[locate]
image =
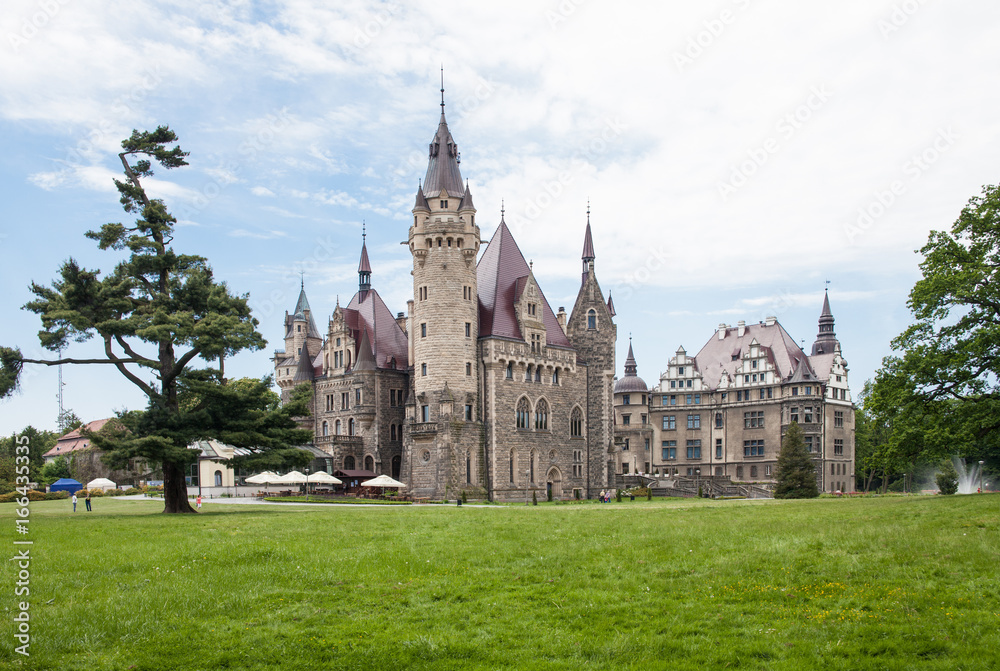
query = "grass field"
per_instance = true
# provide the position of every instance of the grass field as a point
(885, 583)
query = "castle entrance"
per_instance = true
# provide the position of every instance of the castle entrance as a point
(554, 483)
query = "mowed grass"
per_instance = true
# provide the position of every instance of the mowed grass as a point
(889, 583)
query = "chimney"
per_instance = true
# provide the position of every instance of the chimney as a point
(722, 331)
(401, 321)
(561, 318)
(741, 328)
(770, 320)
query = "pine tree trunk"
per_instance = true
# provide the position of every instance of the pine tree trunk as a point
(175, 499)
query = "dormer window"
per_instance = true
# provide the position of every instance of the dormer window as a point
(531, 309)
(444, 204)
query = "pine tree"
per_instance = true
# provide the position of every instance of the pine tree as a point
(157, 314)
(795, 473)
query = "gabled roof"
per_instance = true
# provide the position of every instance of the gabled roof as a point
(442, 164)
(368, 313)
(498, 273)
(74, 440)
(726, 354)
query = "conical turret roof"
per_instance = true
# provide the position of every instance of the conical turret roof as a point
(304, 372)
(366, 359)
(442, 164)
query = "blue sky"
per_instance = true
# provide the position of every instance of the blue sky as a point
(736, 154)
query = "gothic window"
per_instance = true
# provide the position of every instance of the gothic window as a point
(531, 475)
(510, 370)
(348, 463)
(392, 432)
(336, 428)
(576, 423)
(369, 464)
(326, 429)
(542, 416)
(523, 413)
(555, 376)
(350, 427)
(527, 373)
(512, 466)
(538, 373)
(592, 319)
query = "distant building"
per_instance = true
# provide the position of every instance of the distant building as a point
(724, 411)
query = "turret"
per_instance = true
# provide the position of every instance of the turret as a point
(826, 338)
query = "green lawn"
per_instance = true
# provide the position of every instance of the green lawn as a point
(887, 583)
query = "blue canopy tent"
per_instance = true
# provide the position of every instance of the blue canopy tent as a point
(65, 485)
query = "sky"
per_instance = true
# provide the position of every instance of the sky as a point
(738, 156)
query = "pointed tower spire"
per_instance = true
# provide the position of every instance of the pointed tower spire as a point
(630, 381)
(442, 165)
(630, 367)
(588, 247)
(826, 338)
(364, 268)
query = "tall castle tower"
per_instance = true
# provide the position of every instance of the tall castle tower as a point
(444, 241)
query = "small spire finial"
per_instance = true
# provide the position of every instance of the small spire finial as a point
(501, 209)
(363, 233)
(442, 89)
(827, 286)
(588, 211)
(302, 279)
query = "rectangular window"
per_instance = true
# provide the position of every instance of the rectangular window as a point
(468, 413)
(807, 412)
(687, 400)
(767, 471)
(793, 414)
(739, 472)
(718, 420)
(673, 384)
(809, 391)
(468, 330)
(838, 419)
(643, 416)
(753, 471)
(468, 368)
(689, 384)
(718, 448)
(626, 420)
(694, 449)
(669, 422)
(795, 391)
(646, 448)
(423, 369)
(694, 421)
(753, 419)
(626, 399)
(673, 399)
(753, 448)
(697, 399)
(345, 400)
(762, 394)
(425, 413)
(769, 392)
(838, 446)
(669, 450)
(809, 443)
(357, 397)
(423, 330)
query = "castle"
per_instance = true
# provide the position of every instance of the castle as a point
(723, 412)
(481, 387)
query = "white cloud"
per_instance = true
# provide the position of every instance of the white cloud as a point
(262, 191)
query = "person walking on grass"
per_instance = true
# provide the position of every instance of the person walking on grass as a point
(74, 502)
(198, 501)
(87, 501)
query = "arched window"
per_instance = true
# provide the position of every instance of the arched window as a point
(538, 373)
(576, 423)
(350, 427)
(392, 432)
(348, 463)
(523, 413)
(326, 429)
(512, 467)
(218, 478)
(531, 464)
(396, 462)
(527, 373)
(555, 376)
(592, 319)
(336, 428)
(510, 370)
(468, 468)
(369, 463)
(542, 415)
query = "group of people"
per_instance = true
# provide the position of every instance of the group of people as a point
(87, 501)
(606, 496)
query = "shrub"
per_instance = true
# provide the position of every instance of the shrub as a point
(34, 495)
(464, 499)
(96, 492)
(947, 478)
(9, 497)
(618, 495)
(131, 491)
(534, 498)
(55, 496)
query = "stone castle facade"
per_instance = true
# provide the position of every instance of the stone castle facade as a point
(724, 411)
(480, 387)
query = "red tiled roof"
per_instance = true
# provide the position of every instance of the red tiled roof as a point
(499, 274)
(74, 441)
(368, 312)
